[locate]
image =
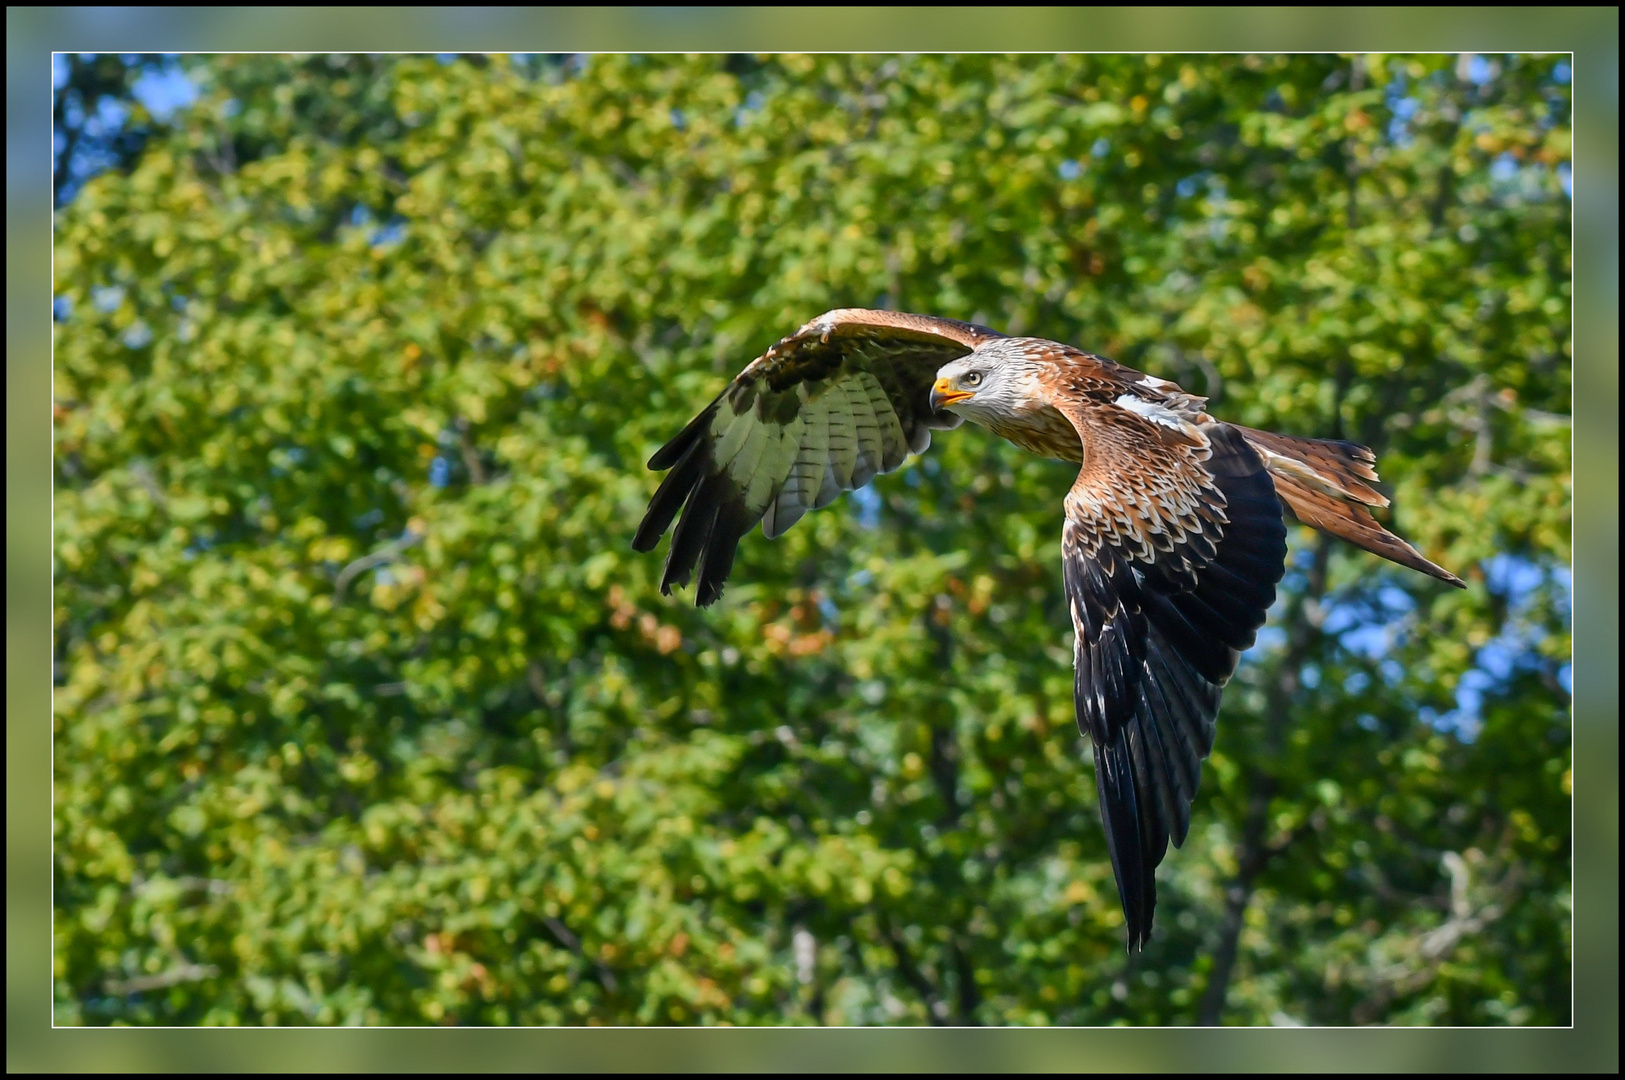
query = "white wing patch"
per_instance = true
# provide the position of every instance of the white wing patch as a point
(1157, 414)
(1164, 417)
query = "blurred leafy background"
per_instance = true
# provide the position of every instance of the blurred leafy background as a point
(366, 713)
(1595, 684)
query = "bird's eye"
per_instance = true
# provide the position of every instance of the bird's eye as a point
(973, 378)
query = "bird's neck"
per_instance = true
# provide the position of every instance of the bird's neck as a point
(1039, 429)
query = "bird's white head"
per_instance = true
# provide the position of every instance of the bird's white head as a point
(996, 382)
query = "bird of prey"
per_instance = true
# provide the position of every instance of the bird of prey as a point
(1171, 550)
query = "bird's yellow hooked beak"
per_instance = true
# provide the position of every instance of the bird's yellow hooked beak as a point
(944, 394)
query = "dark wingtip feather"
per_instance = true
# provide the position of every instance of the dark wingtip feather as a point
(1444, 575)
(684, 440)
(693, 531)
(732, 523)
(1120, 813)
(677, 488)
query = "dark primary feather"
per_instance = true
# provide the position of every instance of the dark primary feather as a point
(1157, 638)
(845, 397)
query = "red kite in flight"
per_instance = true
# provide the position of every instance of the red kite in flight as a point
(1173, 544)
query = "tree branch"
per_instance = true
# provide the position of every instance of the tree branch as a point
(471, 455)
(573, 943)
(935, 1009)
(387, 554)
(183, 973)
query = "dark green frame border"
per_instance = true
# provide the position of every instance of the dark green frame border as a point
(1592, 34)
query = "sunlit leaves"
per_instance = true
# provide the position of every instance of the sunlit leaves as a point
(368, 713)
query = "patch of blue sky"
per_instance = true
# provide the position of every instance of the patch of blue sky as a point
(868, 501)
(753, 104)
(1296, 577)
(107, 298)
(163, 90)
(1562, 73)
(1399, 127)
(382, 235)
(1371, 626)
(1565, 178)
(1480, 69)
(1525, 585)
(1269, 639)
(1514, 577)
(1369, 640)
(1101, 148)
(1070, 169)
(59, 71)
(92, 154)
(105, 119)
(1466, 720)
(110, 117)
(389, 235)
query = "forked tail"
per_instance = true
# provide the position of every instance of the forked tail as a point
(1324, 483)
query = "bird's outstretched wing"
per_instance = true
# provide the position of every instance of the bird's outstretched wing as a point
(843, 398)
(1171, 551)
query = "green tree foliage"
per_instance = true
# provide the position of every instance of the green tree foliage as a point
(367, 712)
